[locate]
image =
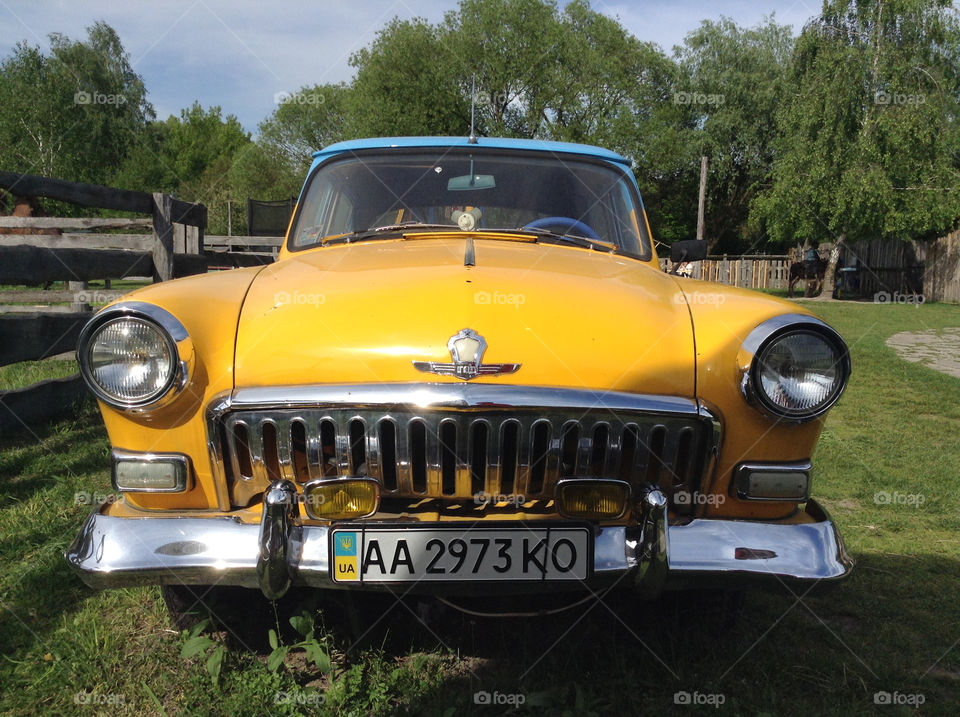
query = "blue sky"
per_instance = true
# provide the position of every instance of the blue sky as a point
(241, 54)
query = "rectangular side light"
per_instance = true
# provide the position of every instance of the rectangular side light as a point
(773, 481)
(149, 472)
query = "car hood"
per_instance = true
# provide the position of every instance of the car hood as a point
(366, 312)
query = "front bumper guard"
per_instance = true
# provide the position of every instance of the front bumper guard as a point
(653, 556)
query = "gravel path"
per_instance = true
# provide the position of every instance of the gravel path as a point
(938, 349)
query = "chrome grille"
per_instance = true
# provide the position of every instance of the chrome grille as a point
(456, 453)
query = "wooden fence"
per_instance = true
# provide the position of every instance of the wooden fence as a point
(882, 265)
(174, 247)
(941, 268)
(752, 272)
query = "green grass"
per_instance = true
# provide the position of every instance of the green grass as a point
(25, 373)
(894, 626)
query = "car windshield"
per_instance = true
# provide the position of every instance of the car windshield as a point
(466, 189)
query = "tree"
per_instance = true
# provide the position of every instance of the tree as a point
(868, 136)
(407, 84)
(259, 173)
(307, 121)
(734, 83)
(73, 114)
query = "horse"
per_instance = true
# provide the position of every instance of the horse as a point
(813, 275)
(28, 207)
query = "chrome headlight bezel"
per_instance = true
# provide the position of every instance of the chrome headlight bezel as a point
(763, 337)
(170, 329)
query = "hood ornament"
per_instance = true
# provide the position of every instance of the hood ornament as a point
(466, 349)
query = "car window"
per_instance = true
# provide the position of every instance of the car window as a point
(498, 190)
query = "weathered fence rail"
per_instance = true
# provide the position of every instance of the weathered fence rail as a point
(36, 250)
(228, 252)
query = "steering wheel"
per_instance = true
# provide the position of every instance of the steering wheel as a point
(563, 225)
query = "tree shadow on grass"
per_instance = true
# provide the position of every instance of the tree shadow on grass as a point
(71, 448)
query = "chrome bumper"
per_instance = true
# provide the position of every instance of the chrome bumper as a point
(115, 552)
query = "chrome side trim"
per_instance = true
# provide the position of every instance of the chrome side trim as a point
(181, 347)
(462, 396)
(179, 459)
(215, 410)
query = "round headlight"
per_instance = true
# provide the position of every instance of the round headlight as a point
(800, 373)
(135, 355)
(131, 360)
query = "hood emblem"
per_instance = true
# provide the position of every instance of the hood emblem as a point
(466, 349)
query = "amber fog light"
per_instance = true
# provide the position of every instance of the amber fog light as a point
(341, 499)
(149, 472)
(593, 499)
(773, 481)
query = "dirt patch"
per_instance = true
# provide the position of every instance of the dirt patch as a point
(938, 349)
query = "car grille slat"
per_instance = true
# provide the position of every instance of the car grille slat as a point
(451, 454)
(284, 453)
(434, 481)
(493, 459)
(521, 484)
(341, 426)
(462, 472)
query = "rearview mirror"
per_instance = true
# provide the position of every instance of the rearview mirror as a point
(471, 181)
(688, 250)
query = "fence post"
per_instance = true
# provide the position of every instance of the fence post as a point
(79, 287)
(162, 237)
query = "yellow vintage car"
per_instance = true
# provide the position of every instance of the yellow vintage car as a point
(465, 374)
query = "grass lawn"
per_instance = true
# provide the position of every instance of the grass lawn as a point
(25, 373)
(887, 467)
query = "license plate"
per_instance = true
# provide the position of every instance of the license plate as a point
(450, 554)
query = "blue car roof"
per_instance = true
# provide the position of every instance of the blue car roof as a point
(494, 142)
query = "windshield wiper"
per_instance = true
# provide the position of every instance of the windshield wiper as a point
(572, 239)
(384, 232)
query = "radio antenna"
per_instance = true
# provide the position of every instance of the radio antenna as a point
(472, 139)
